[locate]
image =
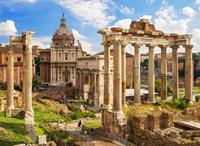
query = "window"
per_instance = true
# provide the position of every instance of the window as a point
(66, 56)
(72, 56)
(18, 59)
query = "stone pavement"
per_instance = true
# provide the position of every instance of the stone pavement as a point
(82, 138)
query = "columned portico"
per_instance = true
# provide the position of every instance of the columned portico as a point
(175, 71)
(151, 74)
(140, 33)
(137, 98)
(188, 72)
(163, 72)
(10, 82)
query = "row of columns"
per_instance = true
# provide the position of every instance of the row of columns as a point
(92, 82)
(119, 64)
(27, 80)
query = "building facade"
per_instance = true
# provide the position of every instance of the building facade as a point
(58, 63)
(90, 78)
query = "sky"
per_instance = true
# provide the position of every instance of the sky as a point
(86, 17)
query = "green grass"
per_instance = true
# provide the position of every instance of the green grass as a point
(95, 124)
(195, 89)
(12, 131)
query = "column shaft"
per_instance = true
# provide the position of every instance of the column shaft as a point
(137, 98)
(24, 78)
(163, 72)
(107, 81)
(95, 89)
(175, 72)
(117, 104)
(188, 72)
(123, 75)
(151, 75)
(10, 81)
(28, 79)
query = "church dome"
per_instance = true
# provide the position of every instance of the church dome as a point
(63, 36)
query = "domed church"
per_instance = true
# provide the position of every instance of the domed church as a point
(58, 63)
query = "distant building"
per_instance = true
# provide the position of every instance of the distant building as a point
(90, 78)
(58, 63)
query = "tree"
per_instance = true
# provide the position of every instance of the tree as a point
(37, 65)
(36, 84)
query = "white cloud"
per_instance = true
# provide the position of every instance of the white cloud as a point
(90, 12)
(123, 23)
(198, 2)
(86, 46)
(7, 28)
(196, 39)
(149, 17)
(189, 12)
(42, 41)
(7, 2)
(125, 10)
(166, 20)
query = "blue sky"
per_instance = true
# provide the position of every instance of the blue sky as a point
(86, 17)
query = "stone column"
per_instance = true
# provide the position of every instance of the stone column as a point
(29, 115)
(137, 98)
(107, 81)
(24, 78)
(188, 72)
(95, 89)
(117, 87)
(4, 73)
(163, 72)
(10, 82)
(123, 75)
(28, 79)
(151, 74)
(175, 71)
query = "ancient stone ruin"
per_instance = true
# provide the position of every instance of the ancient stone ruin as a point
(21, 43)
(140, 33)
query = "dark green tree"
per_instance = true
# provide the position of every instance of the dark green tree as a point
(36, 84)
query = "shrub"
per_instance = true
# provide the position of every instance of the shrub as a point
(169, 91)
(180, 103)
(197, 98)
(157, 103)
(157, 86)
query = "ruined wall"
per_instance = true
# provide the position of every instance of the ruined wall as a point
(114, 122)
